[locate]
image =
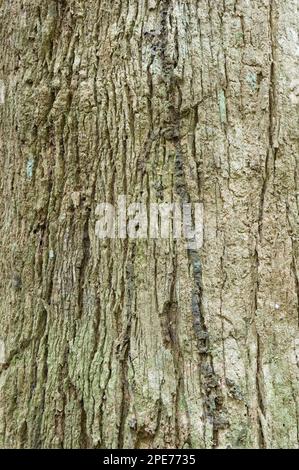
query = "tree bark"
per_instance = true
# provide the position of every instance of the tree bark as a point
(145, 344)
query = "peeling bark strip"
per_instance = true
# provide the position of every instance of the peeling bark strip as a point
(144, 344)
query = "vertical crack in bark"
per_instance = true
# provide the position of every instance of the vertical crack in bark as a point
(270, 158)
(296, 278)
(261, 408)
(84, 439)
(84, 265)
(124, 345)
(213, 399)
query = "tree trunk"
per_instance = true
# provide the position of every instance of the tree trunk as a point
(122, 343)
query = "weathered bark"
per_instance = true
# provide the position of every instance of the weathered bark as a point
(172, 100)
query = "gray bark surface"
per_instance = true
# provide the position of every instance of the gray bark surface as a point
(123, 344)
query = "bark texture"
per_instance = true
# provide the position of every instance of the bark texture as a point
(115, 343)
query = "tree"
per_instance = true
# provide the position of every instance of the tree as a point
(122, 343)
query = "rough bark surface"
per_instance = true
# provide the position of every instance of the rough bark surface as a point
(145, 344)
